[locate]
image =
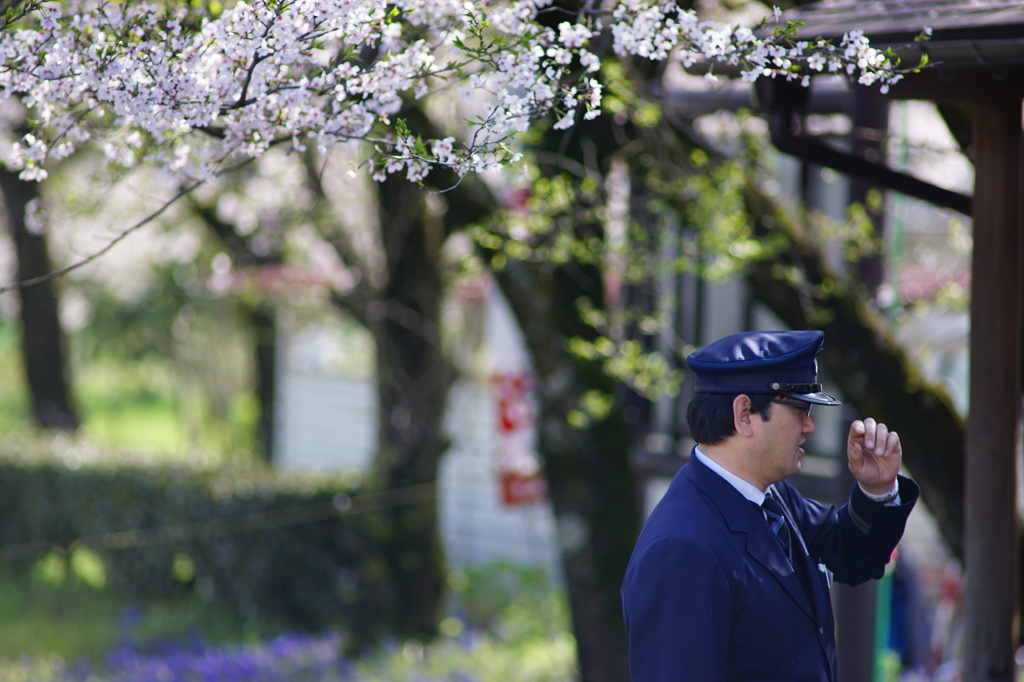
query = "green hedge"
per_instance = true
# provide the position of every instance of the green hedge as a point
(298, 550)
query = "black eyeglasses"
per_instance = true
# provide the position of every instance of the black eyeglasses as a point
(801, 405)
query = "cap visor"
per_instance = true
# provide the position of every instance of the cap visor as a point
(818, 398)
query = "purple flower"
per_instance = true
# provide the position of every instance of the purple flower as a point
(289, 657)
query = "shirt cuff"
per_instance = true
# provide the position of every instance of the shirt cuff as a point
(889, 499)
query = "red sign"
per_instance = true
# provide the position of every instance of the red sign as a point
(518, 472)
(518, 488)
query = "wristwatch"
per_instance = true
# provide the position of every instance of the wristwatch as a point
(887, 497)
(890, 496)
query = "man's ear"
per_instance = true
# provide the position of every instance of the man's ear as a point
(742, 416)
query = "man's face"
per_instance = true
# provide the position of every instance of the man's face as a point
(779, 440)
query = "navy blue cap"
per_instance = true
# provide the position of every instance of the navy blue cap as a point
(762, 362)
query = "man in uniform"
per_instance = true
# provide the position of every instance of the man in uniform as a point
(730, 576)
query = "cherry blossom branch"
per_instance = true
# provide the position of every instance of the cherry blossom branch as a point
(120, 237)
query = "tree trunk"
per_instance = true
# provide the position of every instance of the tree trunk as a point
(414, 377)
(263, 318)
(588, 468)
(43, 341)
(588, 471)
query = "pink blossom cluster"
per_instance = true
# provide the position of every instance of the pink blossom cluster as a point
(196, 92)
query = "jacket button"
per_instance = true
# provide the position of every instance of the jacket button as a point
(821, 630)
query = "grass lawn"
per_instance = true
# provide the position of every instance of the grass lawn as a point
(506, 625)
(48, 613)
(145, 407)
(39, 620)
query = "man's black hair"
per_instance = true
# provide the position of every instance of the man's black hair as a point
(709, 415)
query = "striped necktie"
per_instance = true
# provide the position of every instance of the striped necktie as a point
(777, 520)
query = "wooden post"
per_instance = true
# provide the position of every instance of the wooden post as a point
(991, 533)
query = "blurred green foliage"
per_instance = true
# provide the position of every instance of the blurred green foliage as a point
(301, 551)
(172, 366)
(168, 370)
(506, 623)
(14, 401)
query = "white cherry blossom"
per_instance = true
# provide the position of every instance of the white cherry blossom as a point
(196, 92)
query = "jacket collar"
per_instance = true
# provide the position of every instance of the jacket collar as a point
(743, 516)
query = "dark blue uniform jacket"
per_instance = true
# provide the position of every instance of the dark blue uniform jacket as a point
(709, 594)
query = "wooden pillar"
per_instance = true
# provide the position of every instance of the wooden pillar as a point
(990, 543)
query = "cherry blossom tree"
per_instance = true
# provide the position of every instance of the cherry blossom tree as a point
(196, 91)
